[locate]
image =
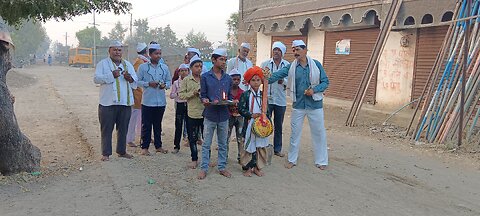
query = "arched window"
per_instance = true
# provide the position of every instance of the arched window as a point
(447, 16)
(427, 19)
(409, 21)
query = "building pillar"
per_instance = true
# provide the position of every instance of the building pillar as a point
(395, 69)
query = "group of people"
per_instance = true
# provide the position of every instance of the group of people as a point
(220, 100)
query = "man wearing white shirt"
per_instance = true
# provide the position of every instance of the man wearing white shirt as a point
(117, 78)
(277, 98)
(240, 63)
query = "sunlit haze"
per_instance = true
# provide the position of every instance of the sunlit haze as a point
(208, 16)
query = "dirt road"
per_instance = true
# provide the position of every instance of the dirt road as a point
(57, 108)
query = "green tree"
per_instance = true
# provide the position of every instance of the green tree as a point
(232, 34)
(232, 24)
(17, 153)
(14, 12)
(85, 37)
(142, 31)
(30, 40)
(166, 37)
(199, 40)
(118, 32)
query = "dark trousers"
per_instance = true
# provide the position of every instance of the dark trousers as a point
(152, 116)
(252, 163)
(114, 116)
(237, 122)
(278, 116)
(180, 115)
(194, 127)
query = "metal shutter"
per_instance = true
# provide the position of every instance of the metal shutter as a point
(345, 72)
(429, 42)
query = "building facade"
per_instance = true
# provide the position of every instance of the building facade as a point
(342, 35)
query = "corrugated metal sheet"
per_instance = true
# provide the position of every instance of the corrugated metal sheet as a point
(345, 72)
(429, 42)
(287, 40)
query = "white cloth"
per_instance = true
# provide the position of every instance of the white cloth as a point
(314, 79)
(241, 67)
(245, 45)
(141, 46)
(252, 142)
(145, 59)
(276, 92)
(154, 46)
(195, 58)
(195, 50)
(115, 43)
(108, 88)
(183, 66)
(281, 46)
(296, 43)
(220, 52)
(135, 125)
(317, 131)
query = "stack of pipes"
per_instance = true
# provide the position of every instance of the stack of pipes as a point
(445, 110)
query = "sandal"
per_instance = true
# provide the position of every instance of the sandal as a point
(321, 167)
(175, 151)
(105, 158)
(289, 165)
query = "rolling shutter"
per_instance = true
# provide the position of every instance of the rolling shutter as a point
(345, 72)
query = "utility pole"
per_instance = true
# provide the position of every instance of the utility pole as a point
(66, 40)
(94, 40)
(67, 53)
(131, 24)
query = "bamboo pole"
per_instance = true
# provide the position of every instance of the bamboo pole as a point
(364, 82)
(377, 52)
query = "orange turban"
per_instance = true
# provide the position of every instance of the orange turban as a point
(250, 73)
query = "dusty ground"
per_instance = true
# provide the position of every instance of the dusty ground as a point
(373, 171)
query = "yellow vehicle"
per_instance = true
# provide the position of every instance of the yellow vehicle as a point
(80, 57)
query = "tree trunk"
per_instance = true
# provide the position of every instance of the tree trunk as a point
(17, 154)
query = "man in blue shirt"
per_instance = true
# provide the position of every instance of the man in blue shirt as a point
(277, 98)
(215, 87)
(307, 81)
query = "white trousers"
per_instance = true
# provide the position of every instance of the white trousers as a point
(318, 133)
(135, 125)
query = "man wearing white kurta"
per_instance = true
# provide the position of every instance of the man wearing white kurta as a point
(240, 63)
(117, 78)
(277, 98)
(307, 81)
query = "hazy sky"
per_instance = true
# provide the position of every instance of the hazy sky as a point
(208, 16)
